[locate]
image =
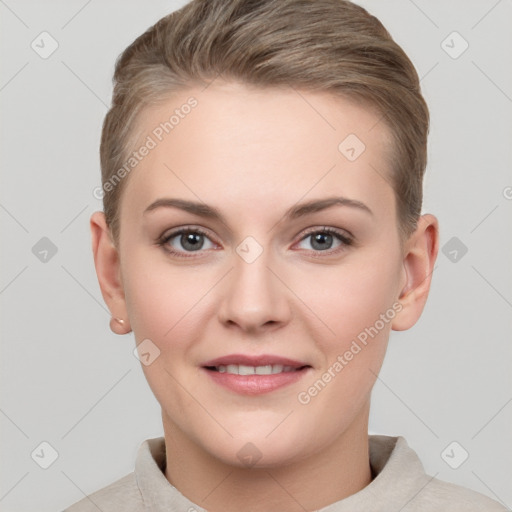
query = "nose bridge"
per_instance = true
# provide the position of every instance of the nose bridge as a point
(253, 296)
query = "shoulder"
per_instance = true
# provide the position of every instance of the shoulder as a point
(401, 479)
(449, 497)
(123, 494)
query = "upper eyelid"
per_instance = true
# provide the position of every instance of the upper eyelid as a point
(331, 229)
(179, 229)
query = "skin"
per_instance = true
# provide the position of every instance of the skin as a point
(253, 154)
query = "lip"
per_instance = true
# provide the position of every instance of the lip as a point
(255, 384)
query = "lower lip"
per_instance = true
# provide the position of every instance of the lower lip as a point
(256, 384)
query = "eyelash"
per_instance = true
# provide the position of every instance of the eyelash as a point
(346, 240)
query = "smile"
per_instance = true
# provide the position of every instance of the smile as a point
(254, 375)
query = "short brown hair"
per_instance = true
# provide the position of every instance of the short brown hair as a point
(318, 45)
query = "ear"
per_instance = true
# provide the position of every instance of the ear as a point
(108, 270)
(420, 253)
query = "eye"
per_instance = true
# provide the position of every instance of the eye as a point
(324, 239)
(185, 240)
(190, 240)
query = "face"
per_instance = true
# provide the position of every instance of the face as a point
(252, 242)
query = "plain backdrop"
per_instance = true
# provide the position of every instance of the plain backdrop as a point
(66, 380)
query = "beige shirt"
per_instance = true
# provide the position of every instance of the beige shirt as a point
(400, 484)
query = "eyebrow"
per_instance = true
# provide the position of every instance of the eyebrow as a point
(299, 210)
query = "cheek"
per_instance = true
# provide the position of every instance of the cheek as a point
(159, 296)
(352, 297)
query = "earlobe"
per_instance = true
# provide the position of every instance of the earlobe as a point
(419, 259)
(108, 271)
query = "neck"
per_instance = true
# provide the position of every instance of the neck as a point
(338, 471)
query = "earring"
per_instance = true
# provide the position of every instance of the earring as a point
(119, 326)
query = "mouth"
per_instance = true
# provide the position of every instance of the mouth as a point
(253, 375)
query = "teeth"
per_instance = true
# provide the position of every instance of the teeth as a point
(242, 369)
(263, 370)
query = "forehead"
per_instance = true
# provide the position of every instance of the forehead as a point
(230, 143)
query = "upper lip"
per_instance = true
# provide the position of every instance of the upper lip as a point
(261, 360)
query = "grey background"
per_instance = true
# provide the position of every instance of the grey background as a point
(67, 380)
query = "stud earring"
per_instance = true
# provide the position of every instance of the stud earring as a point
(119, 326)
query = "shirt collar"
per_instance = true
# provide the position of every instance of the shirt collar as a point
(399, 477)
(157, 493)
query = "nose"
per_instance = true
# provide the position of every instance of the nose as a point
(254, 297)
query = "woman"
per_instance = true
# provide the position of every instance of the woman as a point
(262, 169)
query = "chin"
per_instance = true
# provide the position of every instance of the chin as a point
(259, 450)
